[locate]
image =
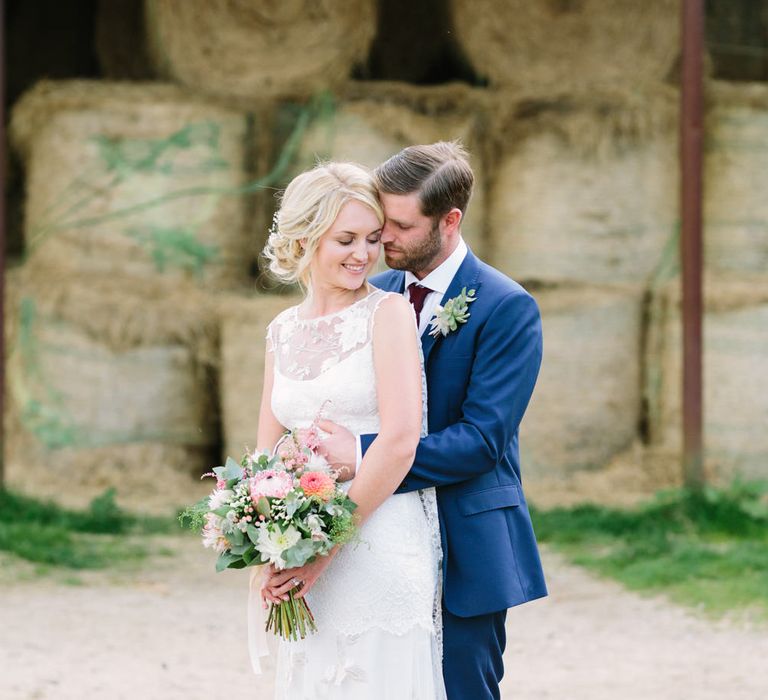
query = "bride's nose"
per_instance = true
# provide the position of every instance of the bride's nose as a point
(360, 251)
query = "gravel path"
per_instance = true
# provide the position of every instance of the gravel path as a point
(178, 631)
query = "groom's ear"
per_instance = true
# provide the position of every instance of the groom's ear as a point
(451, 221)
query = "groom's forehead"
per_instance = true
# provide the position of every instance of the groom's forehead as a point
(401, 207)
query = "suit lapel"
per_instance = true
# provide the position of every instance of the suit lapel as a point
(467, 276)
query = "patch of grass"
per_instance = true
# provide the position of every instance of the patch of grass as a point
(708, 549)
(100, 536)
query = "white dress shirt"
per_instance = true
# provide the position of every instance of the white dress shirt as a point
(438, 281)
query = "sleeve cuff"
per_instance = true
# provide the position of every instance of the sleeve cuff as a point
(358, 453)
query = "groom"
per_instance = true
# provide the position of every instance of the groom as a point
(480, 377)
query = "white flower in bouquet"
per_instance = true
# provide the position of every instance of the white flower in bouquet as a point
(220, 497)
(213, 533)
(272, 543)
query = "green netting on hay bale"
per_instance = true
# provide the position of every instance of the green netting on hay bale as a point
(135, 181)
(244, 323)
(586, 407)
(373, 122)
(736, 194)
(94, 364)
(585, 188)
(254, 48)
(559, 44)
(735, 375)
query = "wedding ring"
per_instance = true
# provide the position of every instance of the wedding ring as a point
(296, 583)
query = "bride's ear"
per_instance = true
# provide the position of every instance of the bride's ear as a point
(303, 243)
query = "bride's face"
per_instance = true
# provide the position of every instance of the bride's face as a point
(347, 252)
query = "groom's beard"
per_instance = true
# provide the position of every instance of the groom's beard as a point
(419, 256)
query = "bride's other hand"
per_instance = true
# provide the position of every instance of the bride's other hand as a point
(339, 448)
(279, 583)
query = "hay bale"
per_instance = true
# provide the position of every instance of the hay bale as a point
(537, 46)
(586, 406)
(133, 181)
(244, 323)
(376, 121)
(100, 376)
(735, 375)
(248, 47)
(585, 190)
(736, 197)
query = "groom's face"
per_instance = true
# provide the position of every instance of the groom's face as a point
(411, 240)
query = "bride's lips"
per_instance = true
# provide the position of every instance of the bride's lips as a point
(354, 269)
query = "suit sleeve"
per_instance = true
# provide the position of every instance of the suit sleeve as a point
(503, 375)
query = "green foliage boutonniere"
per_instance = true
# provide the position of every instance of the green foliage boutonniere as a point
(455, 311)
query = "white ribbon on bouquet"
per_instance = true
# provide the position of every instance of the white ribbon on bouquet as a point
(257, 633)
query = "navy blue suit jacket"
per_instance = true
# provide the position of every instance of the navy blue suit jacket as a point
(480, 379)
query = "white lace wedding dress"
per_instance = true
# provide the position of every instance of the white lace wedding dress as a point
(377, 604)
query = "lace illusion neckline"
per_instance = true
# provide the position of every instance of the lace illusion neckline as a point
(314, 319)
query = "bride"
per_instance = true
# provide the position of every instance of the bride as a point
(351, 352)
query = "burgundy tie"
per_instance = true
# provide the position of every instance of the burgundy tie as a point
(417, 294)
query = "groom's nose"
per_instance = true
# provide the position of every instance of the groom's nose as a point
(386, 233)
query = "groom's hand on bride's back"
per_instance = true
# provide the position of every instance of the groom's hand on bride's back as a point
(339, 447)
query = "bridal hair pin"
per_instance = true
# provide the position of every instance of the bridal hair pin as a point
(274, 229)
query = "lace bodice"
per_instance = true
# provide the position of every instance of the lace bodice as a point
(326, 364)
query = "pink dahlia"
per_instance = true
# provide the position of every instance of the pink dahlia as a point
(318, 484)
(270, 483)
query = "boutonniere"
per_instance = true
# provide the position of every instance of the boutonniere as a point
(455, 311)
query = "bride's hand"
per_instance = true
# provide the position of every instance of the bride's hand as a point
(279, 583)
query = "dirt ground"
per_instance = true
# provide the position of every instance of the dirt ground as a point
(176, 629)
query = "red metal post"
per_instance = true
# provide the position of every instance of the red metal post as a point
(3, 147)
(691, 257)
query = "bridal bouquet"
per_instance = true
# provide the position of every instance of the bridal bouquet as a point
(283, 508)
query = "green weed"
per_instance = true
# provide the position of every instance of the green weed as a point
(707, 548)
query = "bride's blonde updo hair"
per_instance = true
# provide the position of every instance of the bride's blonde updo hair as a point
(308, 208)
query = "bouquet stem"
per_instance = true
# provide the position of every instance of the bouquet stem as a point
(291, 619)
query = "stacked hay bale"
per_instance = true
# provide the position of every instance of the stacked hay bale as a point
(736, 298)
(134, 215)
(582, 208)
(245, 49)
(134, 180)
(586, 406)
(585, 188)
(372, 122)
(108, 386)
(735, 375)
(244, 320)
(556, 45)
(736, 159)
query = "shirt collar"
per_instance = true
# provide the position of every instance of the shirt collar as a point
(441, 277)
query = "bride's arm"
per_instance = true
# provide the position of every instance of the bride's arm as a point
(398, 391)
(270, 429)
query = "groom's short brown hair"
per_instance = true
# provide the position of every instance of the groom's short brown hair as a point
(439, 172)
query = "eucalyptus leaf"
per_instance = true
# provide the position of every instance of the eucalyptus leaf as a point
(263, 507)
(240, 549)
(225, 560)
(299, 554)
(253, 534)
(232, 470)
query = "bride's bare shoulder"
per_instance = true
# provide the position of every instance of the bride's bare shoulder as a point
(392, 311)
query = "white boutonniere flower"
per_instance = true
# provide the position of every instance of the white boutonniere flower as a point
(455, 311)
